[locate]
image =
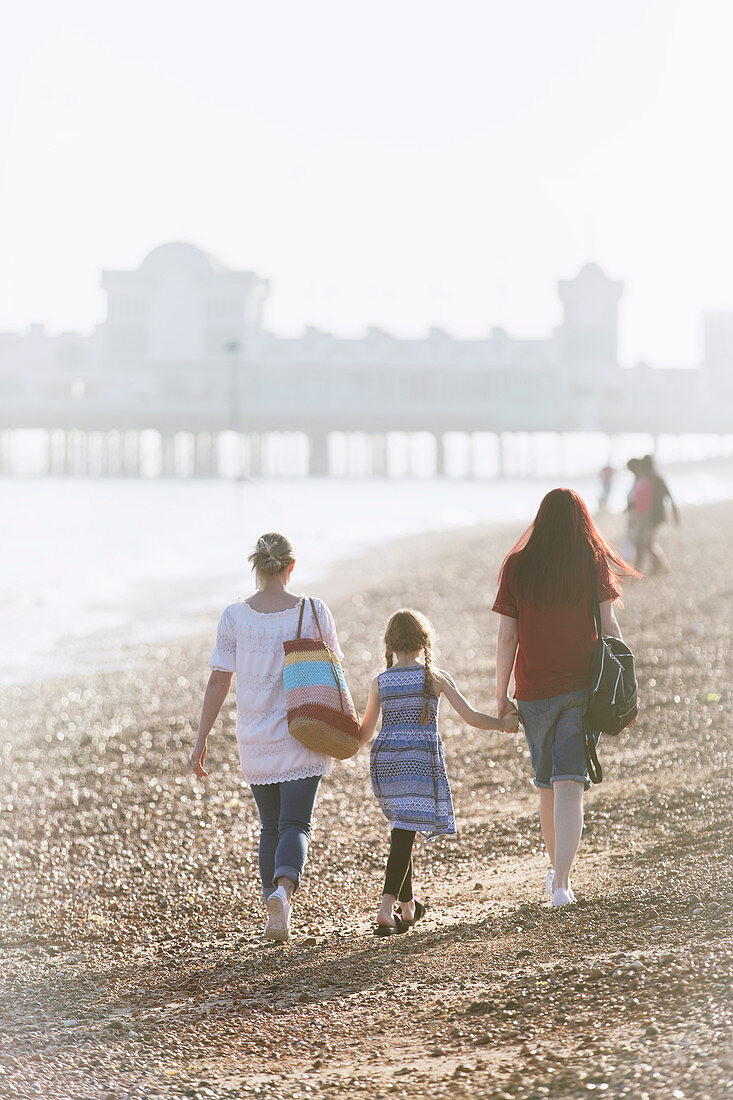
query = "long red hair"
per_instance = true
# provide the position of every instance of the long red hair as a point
(557, 560)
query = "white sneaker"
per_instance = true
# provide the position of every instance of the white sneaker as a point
(278, 917)
(550, 883)
(562, 897)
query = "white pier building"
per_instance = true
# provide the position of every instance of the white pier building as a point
(184, 349)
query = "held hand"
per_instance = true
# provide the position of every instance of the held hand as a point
(510, 723)
(505, 706)
(197, 759)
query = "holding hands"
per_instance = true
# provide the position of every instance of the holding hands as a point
(507, 720)
(508, 714)
(510, 722)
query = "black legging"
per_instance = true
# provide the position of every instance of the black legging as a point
(398, 879)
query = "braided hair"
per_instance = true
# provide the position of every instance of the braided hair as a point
(407, 632)
(428, 683)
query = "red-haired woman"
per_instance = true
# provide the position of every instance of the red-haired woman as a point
(547, 635)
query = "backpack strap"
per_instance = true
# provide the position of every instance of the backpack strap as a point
(592, 763)
(597, 611)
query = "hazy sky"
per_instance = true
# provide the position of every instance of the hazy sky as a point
(404, 164)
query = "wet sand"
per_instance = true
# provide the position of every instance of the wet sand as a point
(132, 957)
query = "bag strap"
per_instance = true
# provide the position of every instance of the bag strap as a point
(597, 611)
(300, 617)
(592, 763)
(315, 616)
(328, 651)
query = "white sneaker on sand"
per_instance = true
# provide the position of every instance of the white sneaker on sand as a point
(278, 917)
(550, 883)
(562, 897)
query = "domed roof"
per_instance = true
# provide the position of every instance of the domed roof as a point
(178, 254)
(592, 271)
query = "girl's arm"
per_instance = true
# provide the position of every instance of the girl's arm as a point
(506, 652)
(371, 714)
(216, 692)
(444, 683)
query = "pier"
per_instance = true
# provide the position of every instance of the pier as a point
(183, 380)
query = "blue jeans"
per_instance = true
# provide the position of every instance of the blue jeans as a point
(554, 731)
(285, 810)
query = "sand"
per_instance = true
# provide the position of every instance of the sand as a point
(133, 962)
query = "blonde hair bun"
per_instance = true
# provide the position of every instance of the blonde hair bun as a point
(272, 554)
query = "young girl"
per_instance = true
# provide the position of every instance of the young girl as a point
(407, 764)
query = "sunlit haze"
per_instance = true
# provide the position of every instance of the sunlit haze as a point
(397, 164)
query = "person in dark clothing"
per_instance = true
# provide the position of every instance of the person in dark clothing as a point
(638, 508)
(649, 546)
(606, 475)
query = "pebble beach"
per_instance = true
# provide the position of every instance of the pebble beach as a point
(133, 961)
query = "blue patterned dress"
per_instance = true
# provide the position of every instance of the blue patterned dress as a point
(407, 764)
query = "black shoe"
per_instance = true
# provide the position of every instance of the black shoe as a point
(420, 912)
(400, 926)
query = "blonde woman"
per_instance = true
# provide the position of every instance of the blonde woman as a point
(284, 775)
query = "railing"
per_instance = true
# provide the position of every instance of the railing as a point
(321, 399)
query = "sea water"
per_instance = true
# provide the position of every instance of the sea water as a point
(91, 567)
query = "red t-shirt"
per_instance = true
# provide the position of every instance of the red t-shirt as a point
(555, 643)
(642, 496)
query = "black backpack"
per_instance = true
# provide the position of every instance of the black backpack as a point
(612, 694)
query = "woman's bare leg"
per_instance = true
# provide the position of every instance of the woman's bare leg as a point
(547, 820)
(568, 820)
(659, 562)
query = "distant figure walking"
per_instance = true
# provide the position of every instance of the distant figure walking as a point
(654, 517)
(283, 774)
(638, 510)
(547, 635)
(407, 763)
(606, 476)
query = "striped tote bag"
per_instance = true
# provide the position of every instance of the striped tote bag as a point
(321, 712)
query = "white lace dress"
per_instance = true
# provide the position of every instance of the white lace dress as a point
(250, 643)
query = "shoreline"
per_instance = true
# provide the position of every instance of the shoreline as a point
(122, 585)
(339, 580)
(131, 921)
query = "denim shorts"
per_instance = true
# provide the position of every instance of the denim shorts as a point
(554, 731)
